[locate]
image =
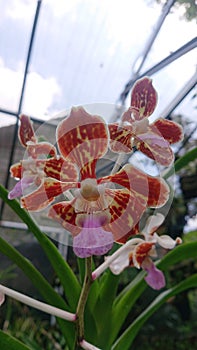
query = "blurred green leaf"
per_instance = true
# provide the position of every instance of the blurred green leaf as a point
(190, 237)
(7, 274)
(124, 303)
(103, 307)
(182, 162)
(8, 342)
(180, 253)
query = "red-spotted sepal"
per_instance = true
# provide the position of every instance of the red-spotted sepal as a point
(154, 191)
(35, 150)
(143, 98)
(170, 130)
(125, 210)
(26, 131)
(45, 194)
(16, 170)
(155, 147)
(59, 168)
(83, 138)
(64, 213)
(120, 138)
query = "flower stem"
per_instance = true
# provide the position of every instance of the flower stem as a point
(110, 258)
(87, 346)
(83, 299)
(37, 304)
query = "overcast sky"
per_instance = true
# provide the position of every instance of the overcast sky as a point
(84, 52)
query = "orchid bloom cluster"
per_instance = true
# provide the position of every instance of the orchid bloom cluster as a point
(99, 211)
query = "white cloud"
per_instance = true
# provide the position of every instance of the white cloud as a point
(11, 82)
(40, 92)
(59, 7)
(20, 9)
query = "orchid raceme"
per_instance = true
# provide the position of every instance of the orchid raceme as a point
(135, 131)
(99, 212)
(138, 252)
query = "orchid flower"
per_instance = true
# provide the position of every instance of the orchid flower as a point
(138, 252)
(101, 210)
(33, 170)
(154, 139)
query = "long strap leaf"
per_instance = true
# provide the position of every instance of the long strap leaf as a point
(42, 285)
(182, 162)
(126, 339)
(7, 342)
(64, 272)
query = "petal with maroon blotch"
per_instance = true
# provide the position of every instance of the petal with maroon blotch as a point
(158, 192)
(131, 178)
(59, 168)
(155, 147)
(16, 170)
(64, 213)
(154, 191)
(45, 194)
(41, 148)
(134, 231)
(82, 138)
(120, 138)
(140, 252)
(171, 131)
(26, 131)
(126, 210)
(143, 98)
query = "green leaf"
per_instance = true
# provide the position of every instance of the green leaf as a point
(182, 162)
(42, 285)
(64, 272)
(190, 237)
(7, 342)
(180, 253)
(126, 339)
(124, 303)
(102, 311)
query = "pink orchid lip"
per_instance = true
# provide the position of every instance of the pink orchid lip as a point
(155, 277)
(93, 220)
(93, 239)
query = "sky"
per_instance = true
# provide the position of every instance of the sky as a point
(85, 52)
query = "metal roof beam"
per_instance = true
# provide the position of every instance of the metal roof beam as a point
(192, 44)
